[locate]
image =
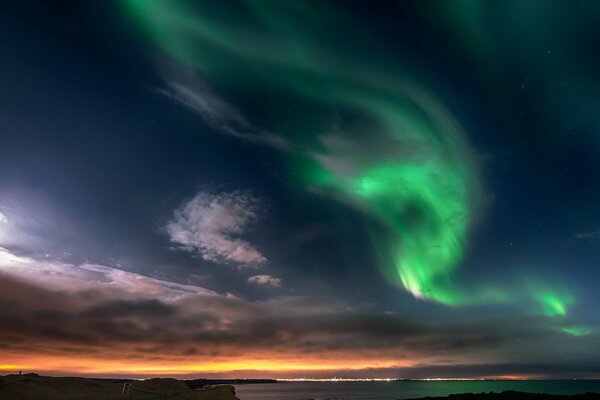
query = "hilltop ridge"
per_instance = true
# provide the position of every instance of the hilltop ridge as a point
(35, 387)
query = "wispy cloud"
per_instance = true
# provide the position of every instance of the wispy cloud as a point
(210, 225)
(593, 236)
(265, 280)
(3, 218)
(194, 94)
(57, 275)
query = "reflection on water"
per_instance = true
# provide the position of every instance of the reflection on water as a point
(403, 389)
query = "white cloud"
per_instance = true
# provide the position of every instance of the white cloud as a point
(3, 219)
(56, 275)
(194, 94)
(265, 280)
(210, 225)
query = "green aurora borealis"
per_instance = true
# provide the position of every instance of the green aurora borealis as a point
(302, 189)
(357, 129)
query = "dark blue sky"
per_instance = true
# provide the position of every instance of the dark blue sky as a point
(215, 152)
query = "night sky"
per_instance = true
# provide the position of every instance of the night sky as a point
(300, 188)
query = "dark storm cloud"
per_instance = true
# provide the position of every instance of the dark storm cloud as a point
(159, 321)
(151, 308)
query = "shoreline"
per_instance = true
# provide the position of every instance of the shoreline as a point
(36, 387)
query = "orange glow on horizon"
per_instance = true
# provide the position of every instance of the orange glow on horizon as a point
(292, 370)
(244, 366)
(11, 367)
(266, 366)
(512, 377)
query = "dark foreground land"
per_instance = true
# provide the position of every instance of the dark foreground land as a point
(512, 395)
(34, 387)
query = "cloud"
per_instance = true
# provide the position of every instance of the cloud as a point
(265, 280)
(194, 94)
(57, 275)
(593, 236)
(210, 225)
(3, 218)
(99, 320)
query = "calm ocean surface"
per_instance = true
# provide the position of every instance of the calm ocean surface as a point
(403, 390)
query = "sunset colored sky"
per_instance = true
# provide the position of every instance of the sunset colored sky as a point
(268, 189)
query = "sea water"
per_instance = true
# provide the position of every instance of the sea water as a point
(403, 389)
